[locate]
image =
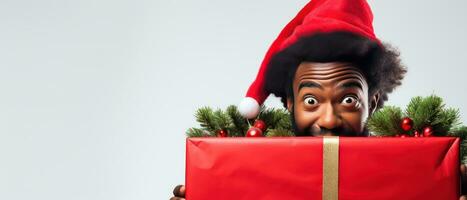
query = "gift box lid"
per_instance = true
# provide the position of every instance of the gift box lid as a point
(293, 168)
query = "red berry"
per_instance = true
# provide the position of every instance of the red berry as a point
(428, 131)
(406, 124)
(416, 134)
(404, 135)
(254, 132)
(260, 124)
(222, 133)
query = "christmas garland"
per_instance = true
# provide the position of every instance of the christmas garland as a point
(270, 122)
(423, 117)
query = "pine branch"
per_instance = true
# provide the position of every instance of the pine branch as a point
(412, 108)
(461, 132)
(431, 111)
(285, 122)
(239, 125)
(385, 122)
(279, 132)
(222, 120)
(267, 115)
(431, 107)
(197, 132)
(424, 111)
(205, 117)
(445, 120)
(276, 118)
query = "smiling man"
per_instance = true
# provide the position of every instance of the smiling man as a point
(329, 100)
(329, 69)
(331, 90)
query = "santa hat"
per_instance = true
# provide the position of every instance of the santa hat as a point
(318, 16)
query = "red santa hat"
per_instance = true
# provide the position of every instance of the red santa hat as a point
(318, 16)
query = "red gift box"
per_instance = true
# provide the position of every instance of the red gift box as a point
(293, 168)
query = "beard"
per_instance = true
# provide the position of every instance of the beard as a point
(337, 131)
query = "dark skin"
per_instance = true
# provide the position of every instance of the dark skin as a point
(329, 99)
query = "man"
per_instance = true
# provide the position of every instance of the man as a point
(332, 90)
(328, 68)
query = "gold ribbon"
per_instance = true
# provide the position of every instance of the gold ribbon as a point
(330, 168)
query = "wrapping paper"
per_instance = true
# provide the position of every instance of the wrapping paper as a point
(291, 168)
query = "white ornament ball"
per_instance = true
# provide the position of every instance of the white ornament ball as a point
(249, 108)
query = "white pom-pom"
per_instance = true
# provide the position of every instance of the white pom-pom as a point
(249, 108)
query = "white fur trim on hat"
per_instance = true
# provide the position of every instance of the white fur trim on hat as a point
(249, 108)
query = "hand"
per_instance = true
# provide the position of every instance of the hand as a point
(179, 193)
(463, 182)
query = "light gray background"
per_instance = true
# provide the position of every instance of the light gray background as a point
(95, 95)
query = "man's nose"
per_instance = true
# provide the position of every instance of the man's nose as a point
(329, 119)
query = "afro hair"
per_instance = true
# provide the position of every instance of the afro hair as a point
(380, 63)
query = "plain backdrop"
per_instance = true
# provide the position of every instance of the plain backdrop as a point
(96, 95)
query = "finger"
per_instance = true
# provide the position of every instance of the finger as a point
(176, 191)
(463, 198)
(182, 190)
(177, 198)
(179, 191)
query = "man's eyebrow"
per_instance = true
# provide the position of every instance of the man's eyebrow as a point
(310, 84)
(352, 84)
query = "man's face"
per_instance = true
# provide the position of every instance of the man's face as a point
(330, 99)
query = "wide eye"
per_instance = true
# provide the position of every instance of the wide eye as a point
(309, 100)
(350, 100)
